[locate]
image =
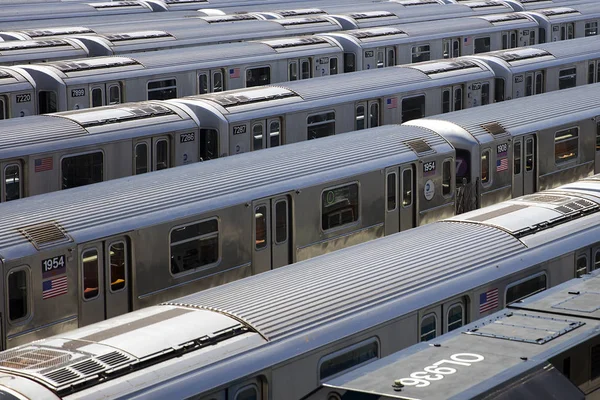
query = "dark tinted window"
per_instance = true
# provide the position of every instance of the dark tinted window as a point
(346, 360)
(339, 206)
(162, 90)
(18, 306)
(525, 289)
(194, 246)
(413, 108)
(81, 170)
(258, 76)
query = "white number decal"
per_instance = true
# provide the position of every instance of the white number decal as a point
(435, 372)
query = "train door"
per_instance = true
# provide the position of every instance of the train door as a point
(567, 31)
(299, 68)
(161, 153)
(451, 47)
(105, 94)
(443, 318)
(517, 181)
(597, 158)
(392, 213)
(386, 56)
(271, 236)
(104, 270)
(408, 206)
(367, 114)
(530, 164)
(534, 83)
(582, 262)
(452, 98)
(509, 40)
(211, 81)
(266, 133)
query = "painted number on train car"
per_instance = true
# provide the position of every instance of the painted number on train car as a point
(502, 149)
(429, 168)
(239, 129)
(54, 266)
(23, 98)
(77, 92)
(187, 137)
(436, 372)
(370, 53)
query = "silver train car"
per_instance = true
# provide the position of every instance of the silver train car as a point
(544, 346)
(125, 244)
(281, 334)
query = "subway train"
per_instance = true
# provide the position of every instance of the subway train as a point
(540, 347)
(134, 138)
(125, 244)
(281, 334)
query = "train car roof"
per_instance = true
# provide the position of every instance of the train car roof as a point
(238, 179)
(13, 79)
(509, 352)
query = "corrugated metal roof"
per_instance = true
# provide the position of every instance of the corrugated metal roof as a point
(353, 279)
(150, 198)
(17, 132)
(569, 48)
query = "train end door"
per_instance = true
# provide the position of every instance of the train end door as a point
(524, 179)
(271, 235)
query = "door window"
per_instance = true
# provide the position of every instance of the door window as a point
(260, 222)
(12, 182)
(162, 154)
(274, 133)
(281, 221)
(90, 269)
(428, 327)
(97, 97)
(117, 257)
(18, 294)
(391, 191)
(141, 158)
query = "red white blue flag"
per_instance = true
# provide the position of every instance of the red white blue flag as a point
(488, 300)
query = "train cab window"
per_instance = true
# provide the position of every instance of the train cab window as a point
(305, 70)
(485, 93)
(455, 317)
(446, 101)
(203, 83)
(566, 145)
(320, 125)
(339, 206)
(260, 224)
(141, 158)
(18, 294)
(258, 76)
(391, 191)
(333, 66)
(194, 246)
(517, 158)
(580, 266)
(3, 108)
(209, 144)
(257, 136)
(421, 53)
(485, 167)
(591, 72)
(596, 260)
(97, 97)
(413, 108)
(591, 29)
(525, 288)
(90, 271)
(360, 117)
(249, 392)
(458, 99)
(13, 188)
(218, 83)
(349, 358)
(374, 115)
(281, 221)
(82, 169)
(48, 102)
(162, 90)
(407, 185)
(349, 62)
(482, 45)
(499, 89)
(447, 178)
(428, 327)
(114, 94)
(117, 255)
(567, 78)
(274, 133)
(162, 154)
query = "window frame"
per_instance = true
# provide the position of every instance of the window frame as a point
(435, 319)
(28, 296)
(245, 387)
(520, 281)
(287, 220)
(203, 267)
(463, 316)
(148, 90)
(346, 225)
(255, 67)
(347, 349)
(570, 74)
(450, 185)
(595, 263)
(570, 160)
(265, 243)
(125, 267)
(3, 190)
(424, 103)
(60, 160)
(418, 50)
(387, 191)
(581, 257)
(4, 105)
(487, 43)
(148, 167)
(328, 121)
(490, 178)
(98, 268)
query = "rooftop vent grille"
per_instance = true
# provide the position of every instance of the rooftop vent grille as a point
(32, 358)
(551, 12)
(297, 13)
(372, 14)
(375, 32)
(494, 128)
(419, 146)
(45, 235)
(301, 21)
(122, 37)
(33, 33)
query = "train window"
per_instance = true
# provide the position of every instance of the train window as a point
(504, 40)
(528, 155)
(161, 147)
(591, 72)
(348, 358)
(18, 294)
(260, 224)
(47, 102)
(203, 83)
(391, 57)
(513, 39)
(566, 145)
(595, 362)
(532, 37)
(360, 116)
(90, 270)
(407, 184)
(525, 288)
(567, 78)
(482, 45)
(539, 82)
(380, 59)
(194, 246)
(413, 108)
(333, 66)
(391, 191)
(597, 71)
(446, 101)
(447, 178)
(249, 392)
(3, 108)
(517, 158)
(257, 136)
(581, 266)
(97, 97)
(209, 144)
(82, 169)
(258, 76)
(114, 94)
(458, 98)
(305, 70)
(339, 206)
(274, 133)
(455, 317)
(428, 327)
(421, 53)
(374, 115)
(446, 48)
(281, 219)
(141, 158)
(117, 254)
(499, 89)
(529, 85)
(349, 62)
(293, 71)
(485, 167)
(485, 93)
(591, 29)
(320, 125)
(162, 90)
(596, 260)
(570, 31)
(455, 48)
(13, 189)
(218, 83)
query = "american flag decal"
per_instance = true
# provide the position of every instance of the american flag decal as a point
(43, 164)
(54, 287)
(488, 300)
(234, 72)
(392, 102)
(502, 164)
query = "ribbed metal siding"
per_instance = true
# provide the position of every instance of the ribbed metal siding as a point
(566, 48)
(287, 167)
(356, 278)
(18, 132)
(427, 28)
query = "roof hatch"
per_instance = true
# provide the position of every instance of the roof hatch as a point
(438, 67)
(117, 114)
(216, 19)
(504, 18)
(34, 33)
(14, 45)
(250, 96)
(371, 14)
(419, 146)
(122, 37)
(375, 32)
(45, 234)
(299, 12)
(520, 54)
(551, 12)
(92, 63)
(301, 21)
(294, 42)
(115, 4)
